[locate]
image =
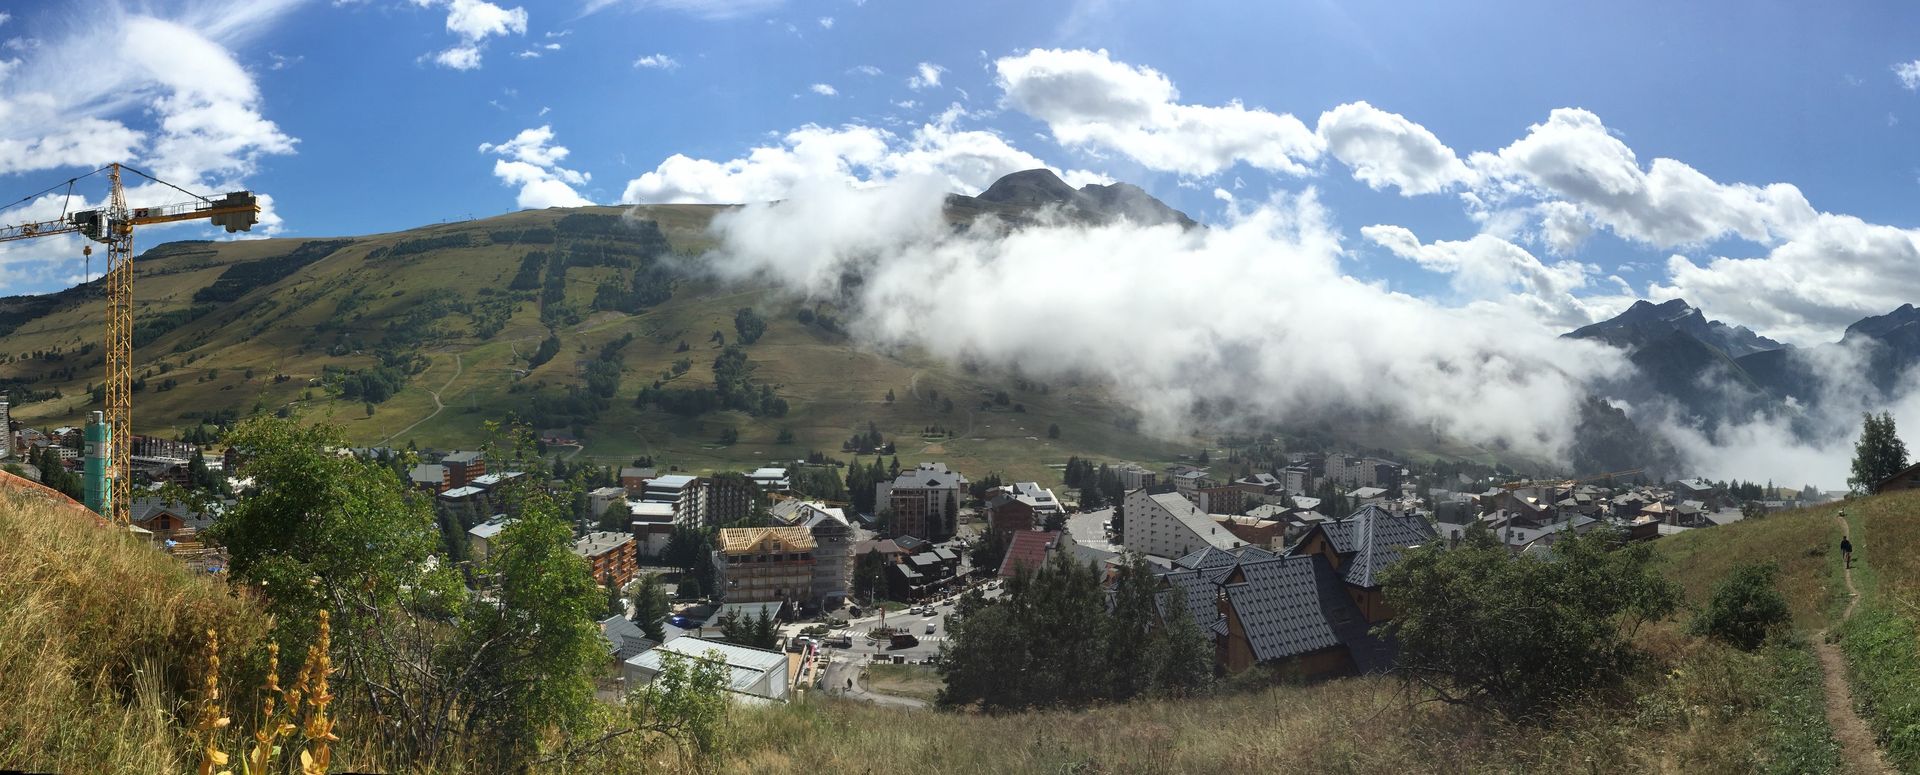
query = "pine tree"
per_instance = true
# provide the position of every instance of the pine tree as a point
(649, 606)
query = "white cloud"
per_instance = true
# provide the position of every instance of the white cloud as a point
(477, 20)
(966, 160)
(472, 22)
(1489, 269)
(164, 94)
(824, 90)
(927, 76)
(705, 9)
(1805, 291)
(1563, 227)
(868, 70)
(1309, 343)
(1572, 156)
(1385, 149)
(531, 161)
(459, 58)
(1088, 100)
(1909, 74)
(657, 62)
(826, 22)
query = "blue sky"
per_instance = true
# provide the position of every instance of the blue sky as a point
(378, 115)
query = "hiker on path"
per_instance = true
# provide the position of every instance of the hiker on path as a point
(1846, 551)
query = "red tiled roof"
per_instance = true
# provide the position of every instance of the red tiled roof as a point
(1029, 549)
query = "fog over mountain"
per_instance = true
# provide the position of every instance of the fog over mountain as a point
(1254, 321)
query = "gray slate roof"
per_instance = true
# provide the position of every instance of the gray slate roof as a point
(1374, 537)
(624, 639)
(1296, 605)
(1196, 591)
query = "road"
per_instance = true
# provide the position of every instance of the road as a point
(437, 405)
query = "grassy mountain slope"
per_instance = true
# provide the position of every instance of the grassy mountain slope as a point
(100, 637)
(271, 346)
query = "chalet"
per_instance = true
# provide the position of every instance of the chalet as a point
(1907, 479)
(930, 571)
(1711, 497)
(1259, 608)
(167, 520)
(1359, 547)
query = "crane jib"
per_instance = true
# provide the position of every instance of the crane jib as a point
(110, 485)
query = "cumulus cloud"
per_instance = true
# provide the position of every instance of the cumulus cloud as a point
(1804, 291)
(1310, 342)
(472, 22)
(927, 76)
(867, 70)
(969, 160)
(1385, 149)
(162, 92)
(824, 90)
(826, 22)
(1090, 101)
(531, 161)
(1486, 268)
(167, 95)
(1909, 74)
(657, 62)
(1573, 157)
(458, 58)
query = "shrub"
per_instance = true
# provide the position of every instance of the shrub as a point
(1746, 607)
(1481, 626)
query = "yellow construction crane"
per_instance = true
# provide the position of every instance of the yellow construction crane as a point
(113, 225)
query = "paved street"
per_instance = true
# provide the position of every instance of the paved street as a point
(1087, 529)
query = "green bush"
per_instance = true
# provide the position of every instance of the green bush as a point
(1481, 626)
(1746, 607)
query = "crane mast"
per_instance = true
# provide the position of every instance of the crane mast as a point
(113, 225)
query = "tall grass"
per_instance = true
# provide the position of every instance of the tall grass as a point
(1882, 640)
(1705, 708)
(1803, 544)
(99, 641)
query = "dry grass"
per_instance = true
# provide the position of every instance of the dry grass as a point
(1705, 711)
(100, 642)
(916, 681)
(1803, 543)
